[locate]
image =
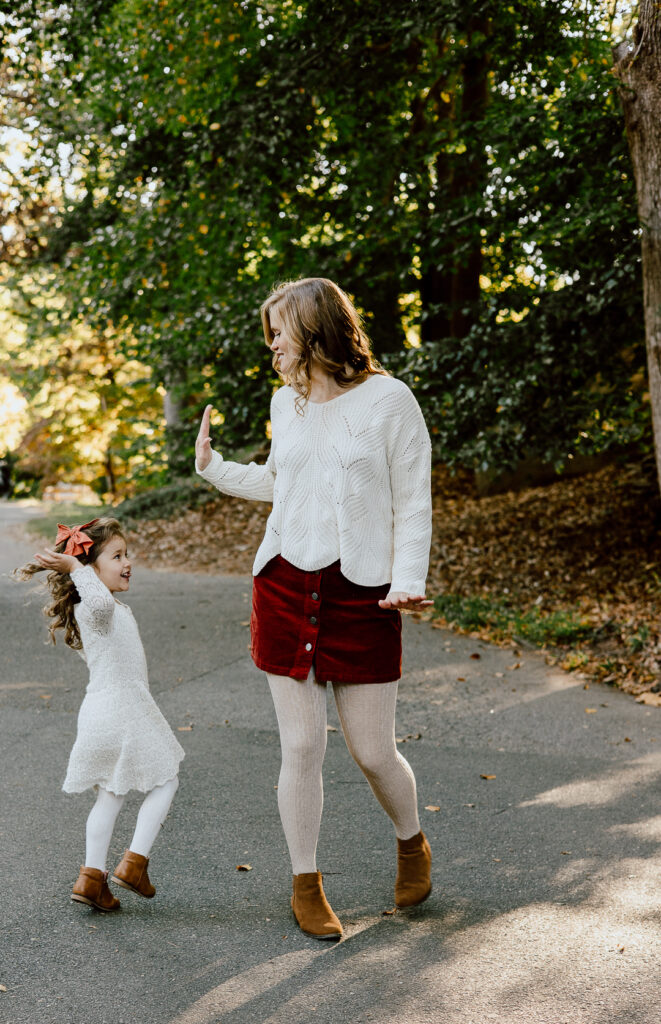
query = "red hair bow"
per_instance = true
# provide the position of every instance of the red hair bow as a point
(78, 543)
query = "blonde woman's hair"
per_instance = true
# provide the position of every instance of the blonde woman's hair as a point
(62, 588)
(323, 326)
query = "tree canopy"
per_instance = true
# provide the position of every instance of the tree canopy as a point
(460, 169)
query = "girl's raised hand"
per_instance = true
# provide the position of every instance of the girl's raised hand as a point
(203, 442)
(57, 562)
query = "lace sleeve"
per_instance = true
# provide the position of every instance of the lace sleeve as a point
(97, 605)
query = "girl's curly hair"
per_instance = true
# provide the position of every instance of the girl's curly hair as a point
(63, 591)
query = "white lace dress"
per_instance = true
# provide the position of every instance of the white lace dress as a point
(123, 740)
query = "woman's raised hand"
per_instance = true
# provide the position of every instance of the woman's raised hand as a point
(405, 602)
(203, 442)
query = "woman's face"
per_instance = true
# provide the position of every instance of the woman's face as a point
(281, 346)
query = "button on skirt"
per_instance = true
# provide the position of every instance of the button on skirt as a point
(302, 620)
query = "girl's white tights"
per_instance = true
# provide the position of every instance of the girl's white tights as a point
(367, 716)
(101, 822)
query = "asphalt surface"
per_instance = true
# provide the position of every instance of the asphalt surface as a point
(546, 902)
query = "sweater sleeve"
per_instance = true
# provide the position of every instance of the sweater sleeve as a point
(251, 481)
(97, 605)
(410, 480)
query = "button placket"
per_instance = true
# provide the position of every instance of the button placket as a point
(310, 630)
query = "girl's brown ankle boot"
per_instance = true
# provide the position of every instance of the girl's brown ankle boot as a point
(311, 908)
(91, 887)
(131, 873)
(413, 883)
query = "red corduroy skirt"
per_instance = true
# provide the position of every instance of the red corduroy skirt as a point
(302, 620)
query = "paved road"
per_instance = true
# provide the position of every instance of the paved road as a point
(546, 903)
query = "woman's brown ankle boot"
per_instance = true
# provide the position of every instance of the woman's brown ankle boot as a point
(311, 908)
(91, 887)
(131, 873)
(413, 883)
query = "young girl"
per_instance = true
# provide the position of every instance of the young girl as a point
(123, 740)
(346, 548)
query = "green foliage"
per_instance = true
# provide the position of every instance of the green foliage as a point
(460, 169)
(561, 628)
(91, 414)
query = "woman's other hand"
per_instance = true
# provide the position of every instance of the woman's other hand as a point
(203, 442)
(56, 561)
(404, 602)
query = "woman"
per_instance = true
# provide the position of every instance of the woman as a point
(346, 549)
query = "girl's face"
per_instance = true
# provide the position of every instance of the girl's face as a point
(112, 566)
(281, 346)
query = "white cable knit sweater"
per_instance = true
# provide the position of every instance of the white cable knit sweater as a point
(349, 479)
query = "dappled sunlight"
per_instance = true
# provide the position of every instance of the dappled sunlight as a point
(565, 962)
(648, 829)
(608, 787)
(242, 988)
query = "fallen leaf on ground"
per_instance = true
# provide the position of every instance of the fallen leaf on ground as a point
(590, 711)
(432, 807)
(653, 700)
(184, 728)
(409, 736)
(461, 679)
(3, 988)
(476, 656)
(388, 913)
(331, 728)
(487, 776)
(244, 867)
(45, 696)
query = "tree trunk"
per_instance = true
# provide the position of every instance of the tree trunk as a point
(177, 433)
(639, 71)
(450, 285)
(471, 174)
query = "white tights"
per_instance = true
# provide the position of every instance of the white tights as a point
(367, 716)
(101, 822)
